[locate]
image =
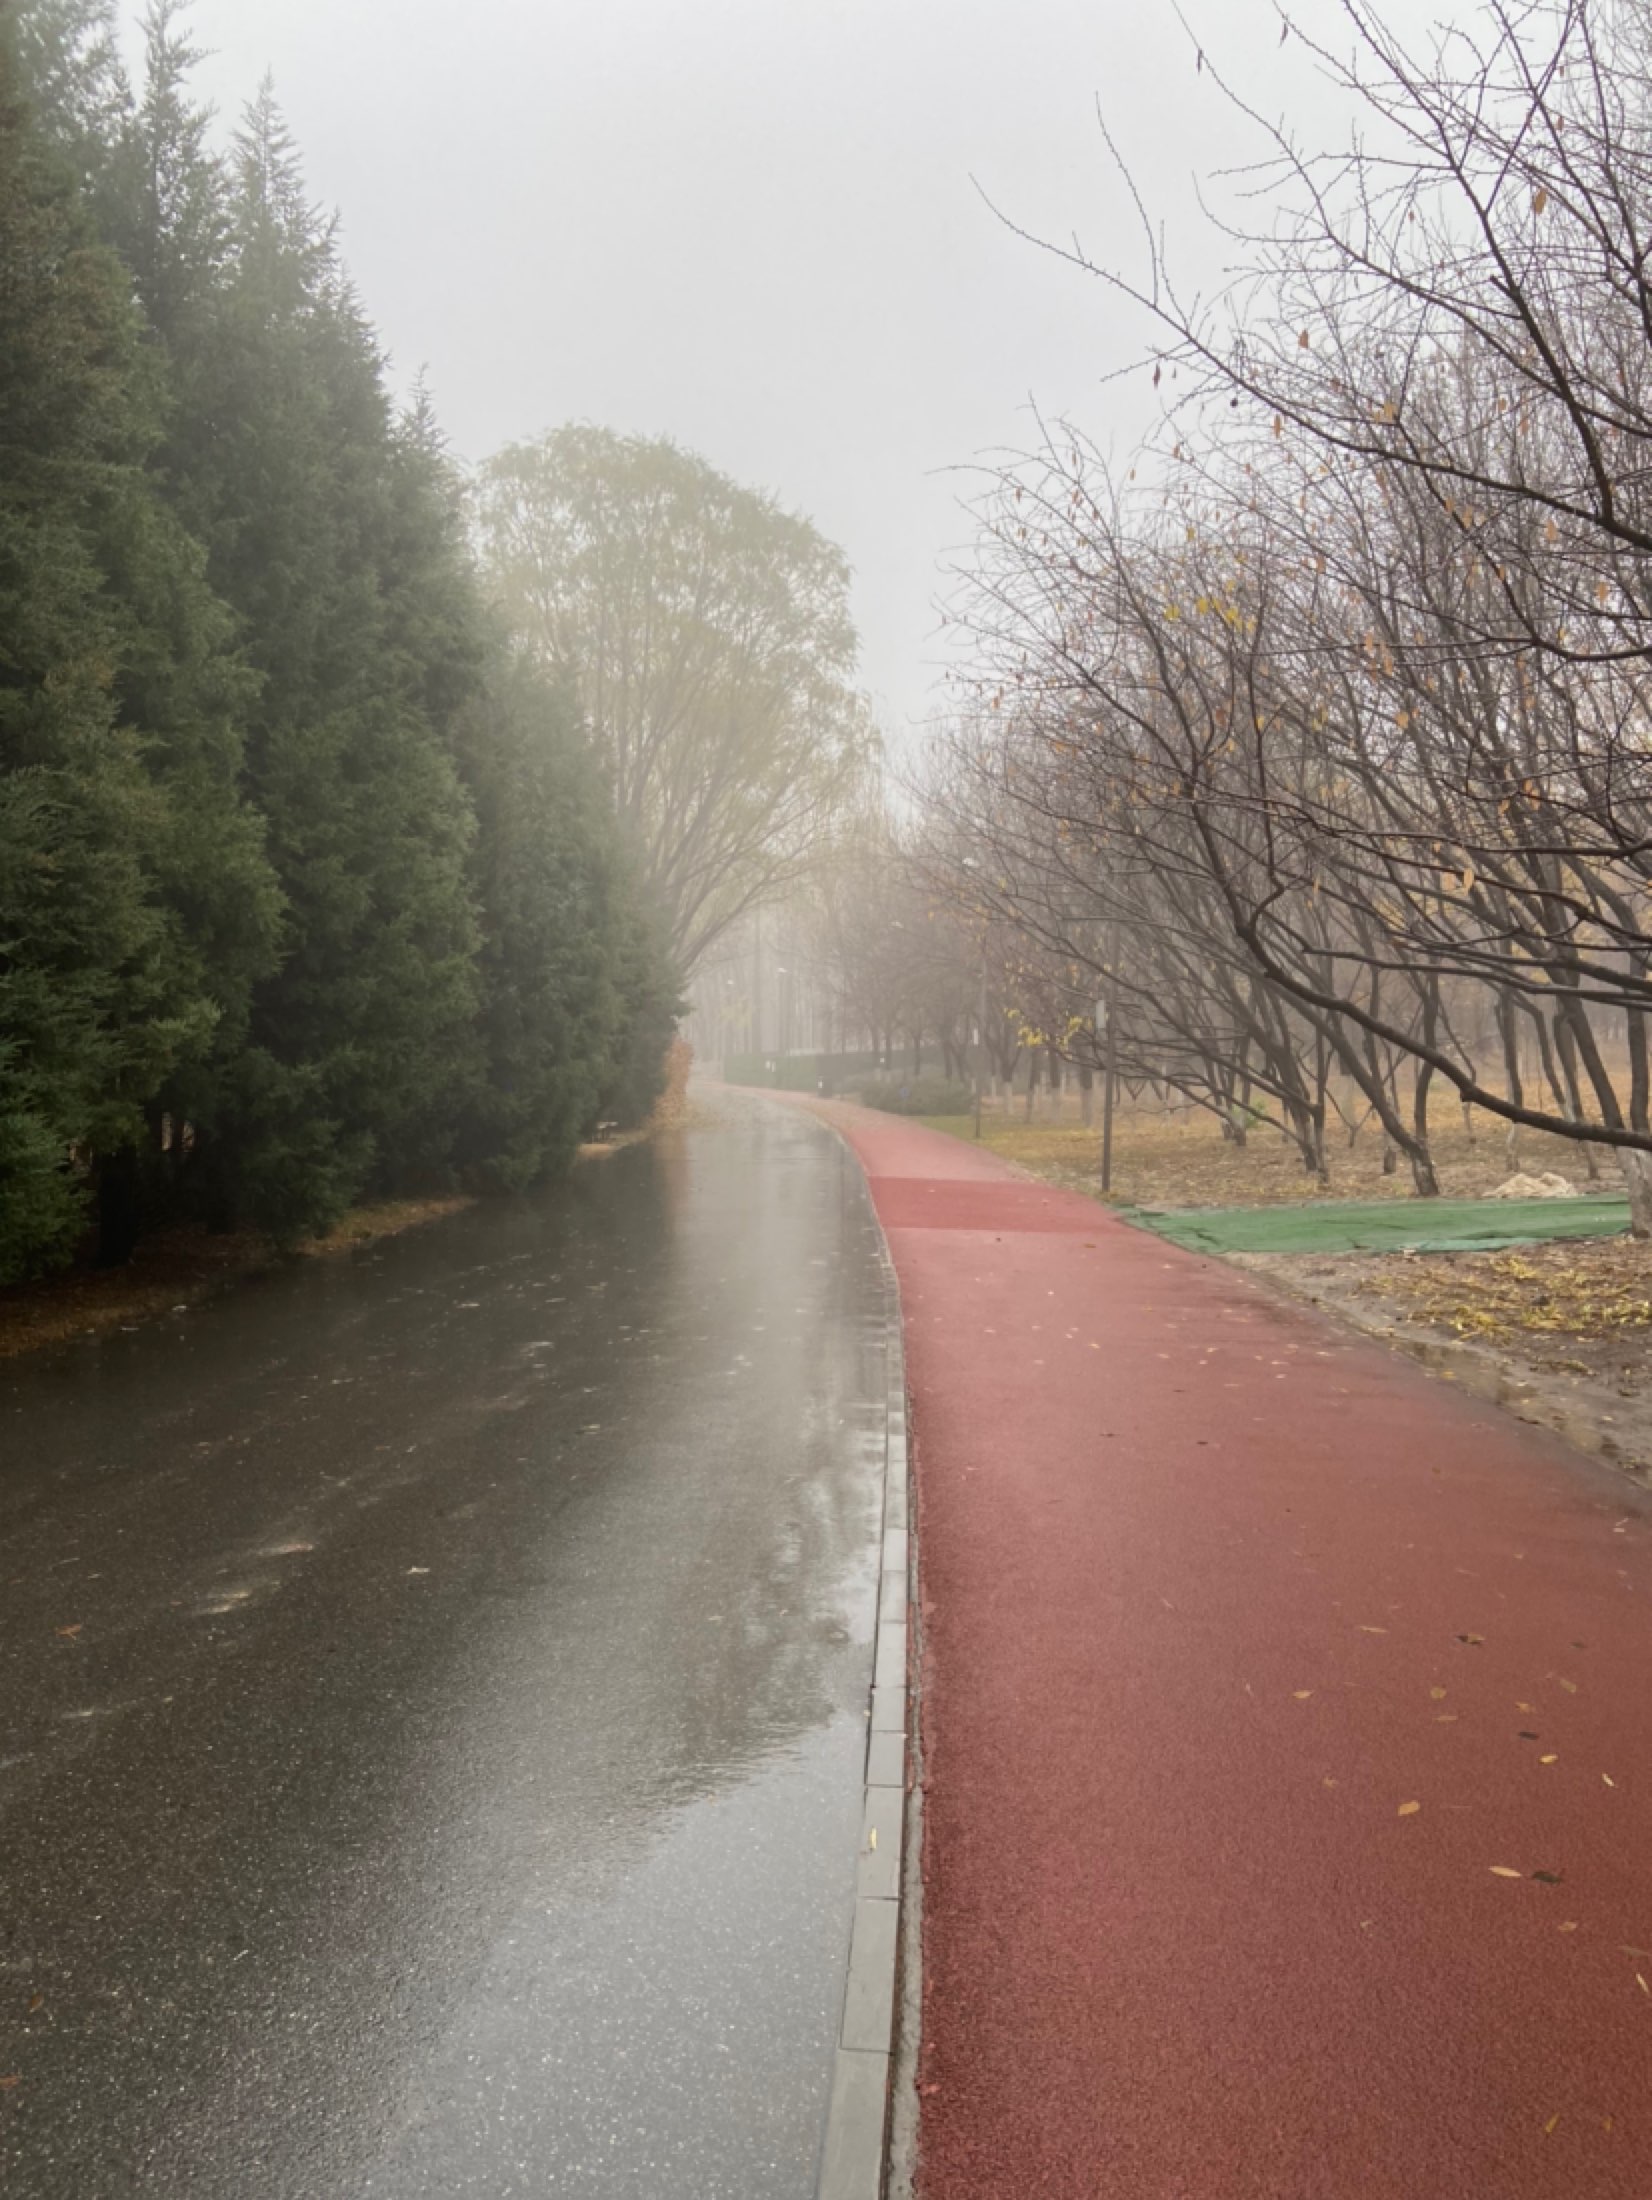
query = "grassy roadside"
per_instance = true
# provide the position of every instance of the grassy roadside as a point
(1186, 1162)
(178, 1268)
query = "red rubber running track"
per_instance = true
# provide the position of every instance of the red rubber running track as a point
(1288, 1738)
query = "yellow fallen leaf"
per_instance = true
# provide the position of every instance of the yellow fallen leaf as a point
(1525, 1706)
(1570, 1926)
(1437, 1695)
(1301, 1694)
(1408, 1810)
(872, 1838)
(1445, 1718)
(1569, 1686)
(1505, 1871)
(1327, 1782)
(1610, 1782)
(1552, 1758)
(1553, 2120)
(1641, 1983)
(1373, 1630)
(1606, 2123)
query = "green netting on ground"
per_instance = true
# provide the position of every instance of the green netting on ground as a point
(1386, 1226)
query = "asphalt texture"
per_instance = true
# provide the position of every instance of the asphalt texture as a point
(1287, 1729)
(432, 1703)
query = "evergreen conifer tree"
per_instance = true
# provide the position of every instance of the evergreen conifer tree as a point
(324, 533)
(120, 822)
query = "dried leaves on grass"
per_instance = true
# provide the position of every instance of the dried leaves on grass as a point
(1586, 1291)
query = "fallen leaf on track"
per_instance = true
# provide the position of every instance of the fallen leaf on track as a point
(1552, 1758)
(1504, 1871)
(70, 1632)
(1569, 1686)
(1301, 1694)
(1549, 2126)
(1373, 1630)
(1610, 1782)
(1408, 1810)
(1570, 1926)
(1438, 1695)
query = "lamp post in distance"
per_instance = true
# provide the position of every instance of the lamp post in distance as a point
(1107, 1021)
(970, 864)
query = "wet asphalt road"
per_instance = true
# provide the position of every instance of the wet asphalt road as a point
(432, 1694)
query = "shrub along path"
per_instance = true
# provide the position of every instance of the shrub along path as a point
(1288, 1737)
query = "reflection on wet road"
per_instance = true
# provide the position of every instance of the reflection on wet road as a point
(431, 1704)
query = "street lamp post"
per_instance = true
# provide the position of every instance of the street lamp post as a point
(1109, 1010)
(981, 1043)
(970, 864)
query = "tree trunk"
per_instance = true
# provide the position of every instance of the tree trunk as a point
(1509, 1031)
(1422, 1161)
(117, 1207)
(1637, 1180)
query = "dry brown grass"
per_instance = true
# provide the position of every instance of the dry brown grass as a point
(385, 1218)
(1186, 1162)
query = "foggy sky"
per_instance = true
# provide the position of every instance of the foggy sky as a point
(752, 225)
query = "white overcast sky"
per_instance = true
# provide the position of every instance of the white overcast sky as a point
(754, 225)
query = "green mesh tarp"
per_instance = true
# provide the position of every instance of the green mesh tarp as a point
(1386, 1226)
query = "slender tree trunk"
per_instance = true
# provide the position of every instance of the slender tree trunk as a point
(1566, 1046)
(1637, 1182)
(1509, 1032)
(117, 1207)
(1422, 1161)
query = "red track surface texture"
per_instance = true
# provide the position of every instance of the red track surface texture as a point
(1262, 1675)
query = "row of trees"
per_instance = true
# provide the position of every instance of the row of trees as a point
(1320, 740)
(310, 883)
